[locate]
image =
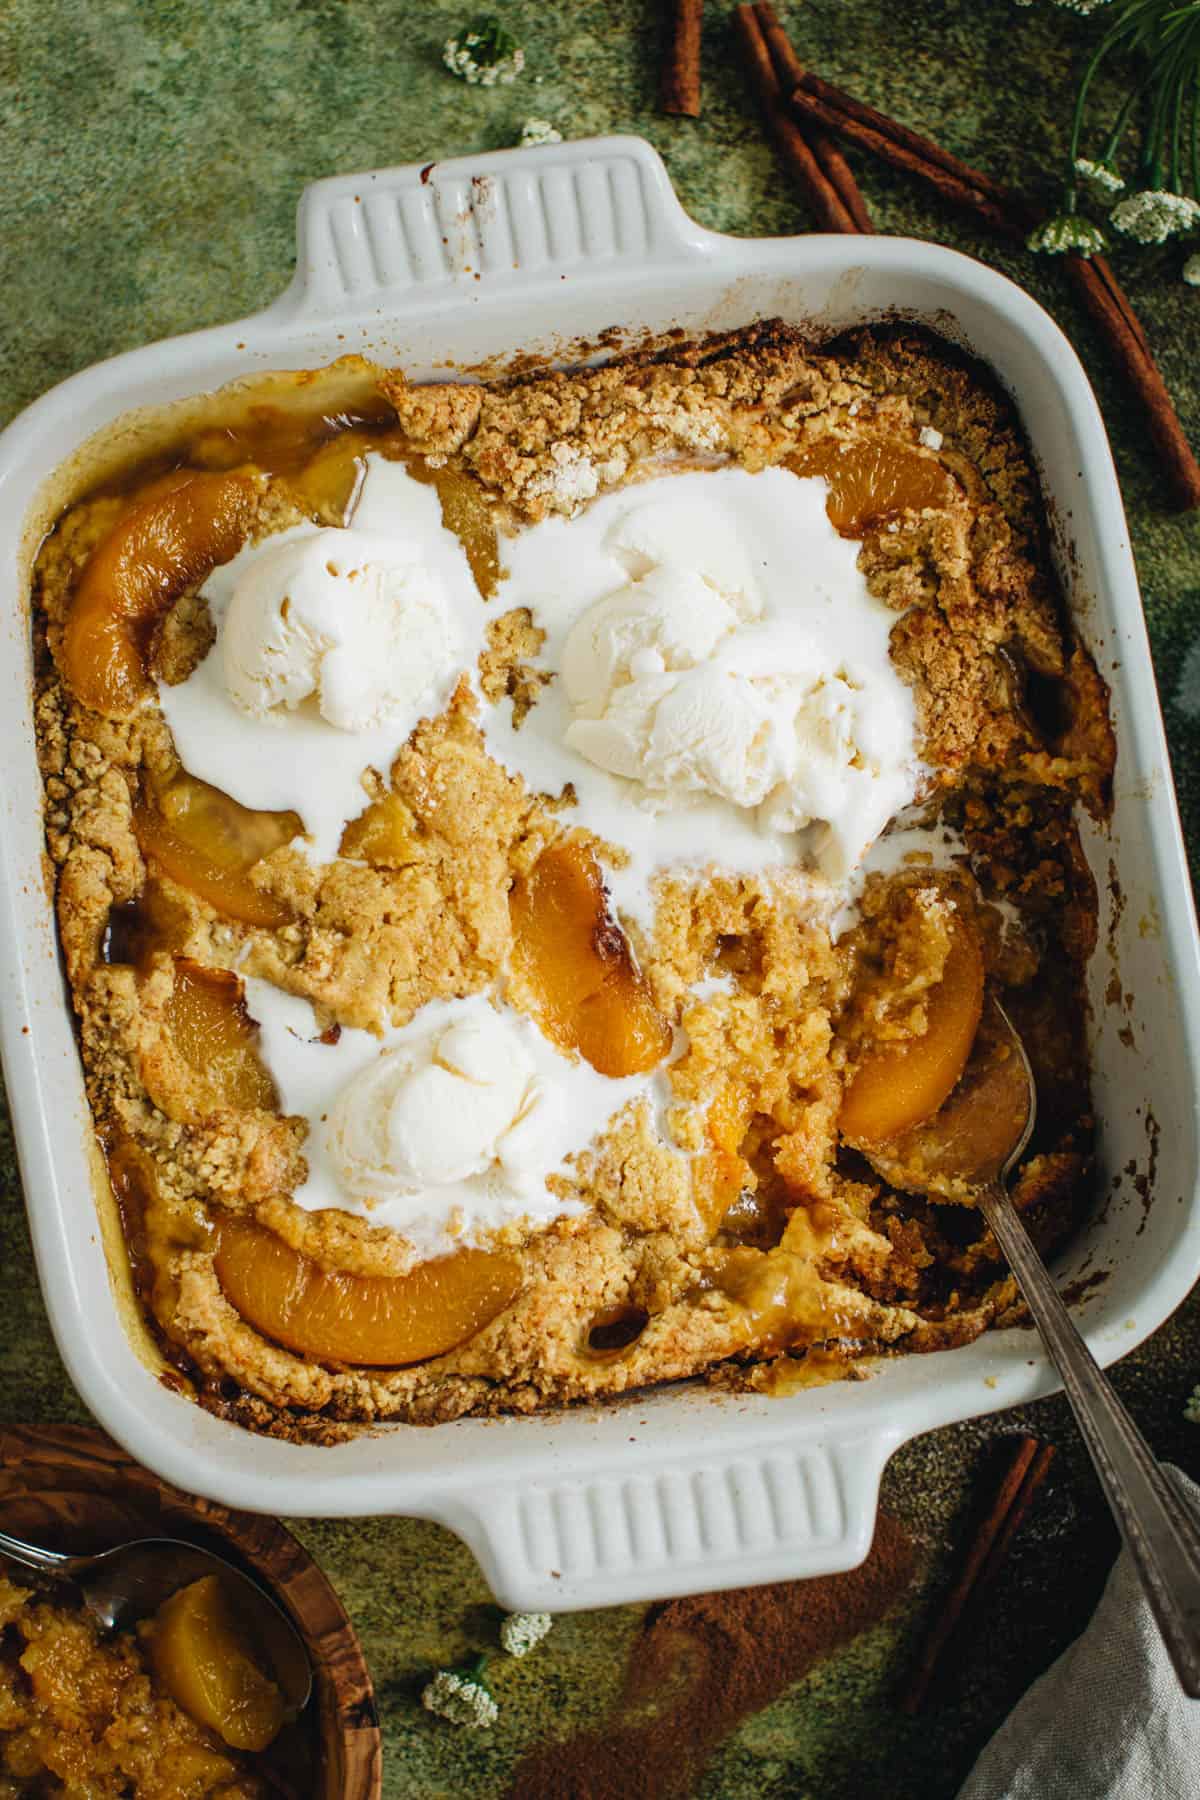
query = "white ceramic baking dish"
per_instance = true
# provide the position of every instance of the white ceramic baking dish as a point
(683, 1489)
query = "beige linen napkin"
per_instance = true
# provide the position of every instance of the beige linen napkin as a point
(1108, 1720)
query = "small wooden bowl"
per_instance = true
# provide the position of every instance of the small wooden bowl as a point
(71, 1488)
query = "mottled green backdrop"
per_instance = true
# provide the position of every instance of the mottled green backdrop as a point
(152, 156)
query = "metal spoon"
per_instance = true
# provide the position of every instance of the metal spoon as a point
(125, 1584)
(979, 1136)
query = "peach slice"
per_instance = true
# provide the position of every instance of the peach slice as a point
(209, 1026)
(970, 1137)
(134, 1183)
(164, 544)
(467, 512)
(207, 842)
(576, 961)
(872, 478)
(321, 455)
(282, 440)
(204, 1657)
(154, 1229)
(899, 1085)
(721, 1172)
(372, 1321)
(330, 480)
(385, 835)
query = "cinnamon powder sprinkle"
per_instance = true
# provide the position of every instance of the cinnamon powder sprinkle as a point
(701, 1665)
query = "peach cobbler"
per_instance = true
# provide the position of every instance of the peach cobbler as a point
(177, 1708)
(529, 854)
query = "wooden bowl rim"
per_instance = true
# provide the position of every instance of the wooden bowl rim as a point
(348, 1719)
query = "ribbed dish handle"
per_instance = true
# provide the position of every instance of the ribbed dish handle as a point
(365, 241)
(692, 1525)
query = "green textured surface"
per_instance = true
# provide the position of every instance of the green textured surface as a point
(153, 154)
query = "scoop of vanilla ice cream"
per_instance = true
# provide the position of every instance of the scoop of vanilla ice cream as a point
(848, 763)
(461, 1104)
(345, 616)
(645, 671)
(680, 532)
(682, 683)
(705, 730)
(672, 619)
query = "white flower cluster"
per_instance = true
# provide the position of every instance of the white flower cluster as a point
(1191, 274)
(521, 1631)
(1155, 215)
(1192, 1409)
(484, 54)
(1158, 211)
(1067, 231)
(462, 1696)
(1101, 182)
(462, 1699)
(538, 131)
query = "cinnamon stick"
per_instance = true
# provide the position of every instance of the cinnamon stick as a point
(905, 150)
(988, 1547)
(789, 71)
(825, 203)
(1027, 1493)
(1102, 269)
(847, 107)
(680, 90)
(1103, 297)
(1099, 289)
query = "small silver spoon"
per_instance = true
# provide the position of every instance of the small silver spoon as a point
(132, 1581)
(995, 1113)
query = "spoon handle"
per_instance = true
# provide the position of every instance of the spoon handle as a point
(32, 1556)
(1160, 1533)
